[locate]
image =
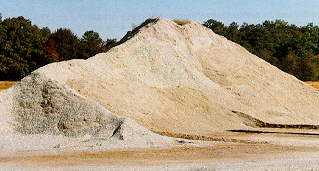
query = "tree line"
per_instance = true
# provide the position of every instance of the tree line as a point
(25, 47)
(294, 49)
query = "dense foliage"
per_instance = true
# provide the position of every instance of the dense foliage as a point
(25, 47)
(293, 49)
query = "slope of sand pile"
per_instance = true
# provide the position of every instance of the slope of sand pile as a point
(171, 79)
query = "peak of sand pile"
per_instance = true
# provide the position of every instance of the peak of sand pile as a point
(169, 78)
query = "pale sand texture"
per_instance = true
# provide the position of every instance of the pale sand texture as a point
(186, 79)
(169, 78)
(181, 81)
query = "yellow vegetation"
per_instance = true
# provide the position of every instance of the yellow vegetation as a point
(6, 84)
(314, 84)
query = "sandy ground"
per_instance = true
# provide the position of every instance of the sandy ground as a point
(279, 151)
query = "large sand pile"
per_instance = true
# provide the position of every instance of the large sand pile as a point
(172, 79)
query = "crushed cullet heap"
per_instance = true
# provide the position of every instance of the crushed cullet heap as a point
(163, 77)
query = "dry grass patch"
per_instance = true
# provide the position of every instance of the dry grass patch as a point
(314, 84)
(6, 84)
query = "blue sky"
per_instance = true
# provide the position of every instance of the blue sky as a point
(113, 18)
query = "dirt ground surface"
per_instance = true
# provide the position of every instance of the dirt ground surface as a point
(271, 151)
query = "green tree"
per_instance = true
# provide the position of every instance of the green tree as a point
(20, 48)
(67, 44)
(91, 44)
(108, 44)
(217, 26)
(233, 33)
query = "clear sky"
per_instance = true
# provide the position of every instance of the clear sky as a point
(113, 18)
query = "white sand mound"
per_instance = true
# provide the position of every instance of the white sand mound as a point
(169, 78)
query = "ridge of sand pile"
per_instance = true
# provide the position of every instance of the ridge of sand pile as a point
(169, 78)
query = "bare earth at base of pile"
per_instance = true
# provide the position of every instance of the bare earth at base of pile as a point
(303, 154)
